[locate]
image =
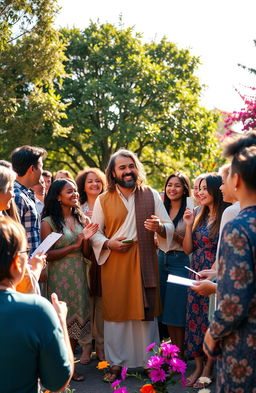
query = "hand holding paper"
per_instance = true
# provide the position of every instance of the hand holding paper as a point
(180, 280)
(47, 243)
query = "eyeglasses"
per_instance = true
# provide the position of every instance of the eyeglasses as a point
(27, 251)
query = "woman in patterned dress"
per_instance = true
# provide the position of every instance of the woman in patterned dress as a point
(232, 332)
(91, 182)
(201, 238)
(66, 268)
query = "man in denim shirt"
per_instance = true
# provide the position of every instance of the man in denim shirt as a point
(27, 162)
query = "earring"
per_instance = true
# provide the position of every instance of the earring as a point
(235, 188)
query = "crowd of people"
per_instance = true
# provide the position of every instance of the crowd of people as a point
(105, 277)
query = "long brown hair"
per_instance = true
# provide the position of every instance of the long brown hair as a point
(213, 183)
(7, 175)
(186, 188)
(111, 184)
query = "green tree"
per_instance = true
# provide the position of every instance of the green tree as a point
(122, 92)
(31, 58)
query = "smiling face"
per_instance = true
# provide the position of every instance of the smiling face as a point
(225, 189)
(206, 199)
(125, 172)
(196, 190)
(93, 185)
(69, 196)
(6, 196)
(174, 189)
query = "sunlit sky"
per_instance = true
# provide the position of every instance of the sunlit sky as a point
(220, 32)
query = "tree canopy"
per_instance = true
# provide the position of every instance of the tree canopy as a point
(83, 94)
(122, 92)
(31, 58)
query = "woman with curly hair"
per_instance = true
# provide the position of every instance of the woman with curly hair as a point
(66, 268)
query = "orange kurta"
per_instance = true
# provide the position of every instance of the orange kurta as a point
(122, 290)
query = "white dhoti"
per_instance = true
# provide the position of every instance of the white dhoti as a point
(125, 343)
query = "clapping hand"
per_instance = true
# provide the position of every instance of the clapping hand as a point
(90, 230)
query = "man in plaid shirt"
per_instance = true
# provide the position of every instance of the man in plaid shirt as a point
(27, 162)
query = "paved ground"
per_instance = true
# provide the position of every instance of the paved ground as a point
(93, 381)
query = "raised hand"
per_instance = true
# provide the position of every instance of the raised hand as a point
(90, 230)
(189, 217)
(60, 307)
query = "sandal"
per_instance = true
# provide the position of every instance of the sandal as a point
(203, 382)
(112, 374)
(77, 377)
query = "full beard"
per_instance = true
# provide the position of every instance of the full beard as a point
(127, 184)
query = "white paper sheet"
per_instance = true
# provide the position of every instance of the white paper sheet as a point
(190, 203)
(180, 280)
(47, 243)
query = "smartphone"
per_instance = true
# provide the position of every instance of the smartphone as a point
(127, 241)
(190, 203)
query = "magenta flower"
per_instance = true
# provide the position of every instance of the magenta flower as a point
(155, 362)
(123, 373)
(150, 347)
(115, 383)
(183, 380)
(157, 375)
(178, 365)
(169, 349)
(121, 390)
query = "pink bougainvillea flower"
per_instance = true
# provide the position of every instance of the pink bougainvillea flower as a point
(155, 362)
(115, 383)
(157, 375)
(169, 349)
(178, 365)
(123, 373)
(151, 346)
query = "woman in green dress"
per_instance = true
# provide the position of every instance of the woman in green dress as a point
(66, 267)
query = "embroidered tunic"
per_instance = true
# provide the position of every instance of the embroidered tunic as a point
(234, 322)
